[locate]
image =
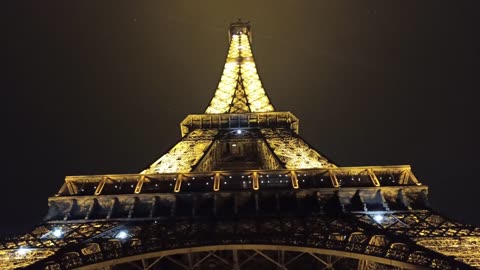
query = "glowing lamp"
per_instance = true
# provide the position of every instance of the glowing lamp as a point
(122, 235)
(23, 251)
(57, 232)
(378, 218)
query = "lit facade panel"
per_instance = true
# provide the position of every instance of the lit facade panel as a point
(293, 151)
(22, 257)
(465, 249)
(240, 89)
(185, 154)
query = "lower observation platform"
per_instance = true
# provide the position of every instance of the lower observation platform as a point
(375, 215)
(140, 196)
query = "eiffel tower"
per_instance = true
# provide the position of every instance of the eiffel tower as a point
(242, 190)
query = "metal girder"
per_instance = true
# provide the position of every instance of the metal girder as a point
(248, 259)
(185, 154)
(341, 177)
(45, 240)
(293, 151)
(204, 258)
(326, 235)
(266, 259)
(150, 206)
(434, 232)
(327, 259)
(269, 259)
(236, 264)
(240, 89)
(232, 121)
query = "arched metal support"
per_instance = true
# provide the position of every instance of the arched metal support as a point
(331, 257)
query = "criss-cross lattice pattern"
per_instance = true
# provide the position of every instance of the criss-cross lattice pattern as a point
(185, 154)
(343, 237)
(240, 89)
(433, 231)
(293, 151)
(45, 240)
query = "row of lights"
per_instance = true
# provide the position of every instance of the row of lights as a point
(123, 234)
(56, 232)
(120, 187)
(261, 176)
(95, 187)
(243, 176)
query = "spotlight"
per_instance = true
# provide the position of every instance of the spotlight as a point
(122, 235)
(23, 251)
(57, 232)
(378, 218)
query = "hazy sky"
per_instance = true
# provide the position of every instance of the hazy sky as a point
(96, 87)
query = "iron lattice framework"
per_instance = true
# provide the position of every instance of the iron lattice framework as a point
(242, 190)
(240, 89)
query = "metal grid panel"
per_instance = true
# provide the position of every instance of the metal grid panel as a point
(432, 231)
(339, 236)
(185, 154)
(240, 89)
(293, 151)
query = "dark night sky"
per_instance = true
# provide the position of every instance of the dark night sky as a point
(97, 87)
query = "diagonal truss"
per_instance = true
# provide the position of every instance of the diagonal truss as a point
(434, 232)
(240, 89)
(42, 242)
(325, 239)
(293, 151)
(185, 154)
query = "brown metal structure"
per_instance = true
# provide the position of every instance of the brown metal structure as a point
(242, 190)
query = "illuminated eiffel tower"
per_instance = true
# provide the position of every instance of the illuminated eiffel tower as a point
(242, 190)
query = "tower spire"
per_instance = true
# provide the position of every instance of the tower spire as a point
(240, 89)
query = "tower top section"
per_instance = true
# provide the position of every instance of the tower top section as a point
(240, 28)
(240, 129)
(240, 89)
